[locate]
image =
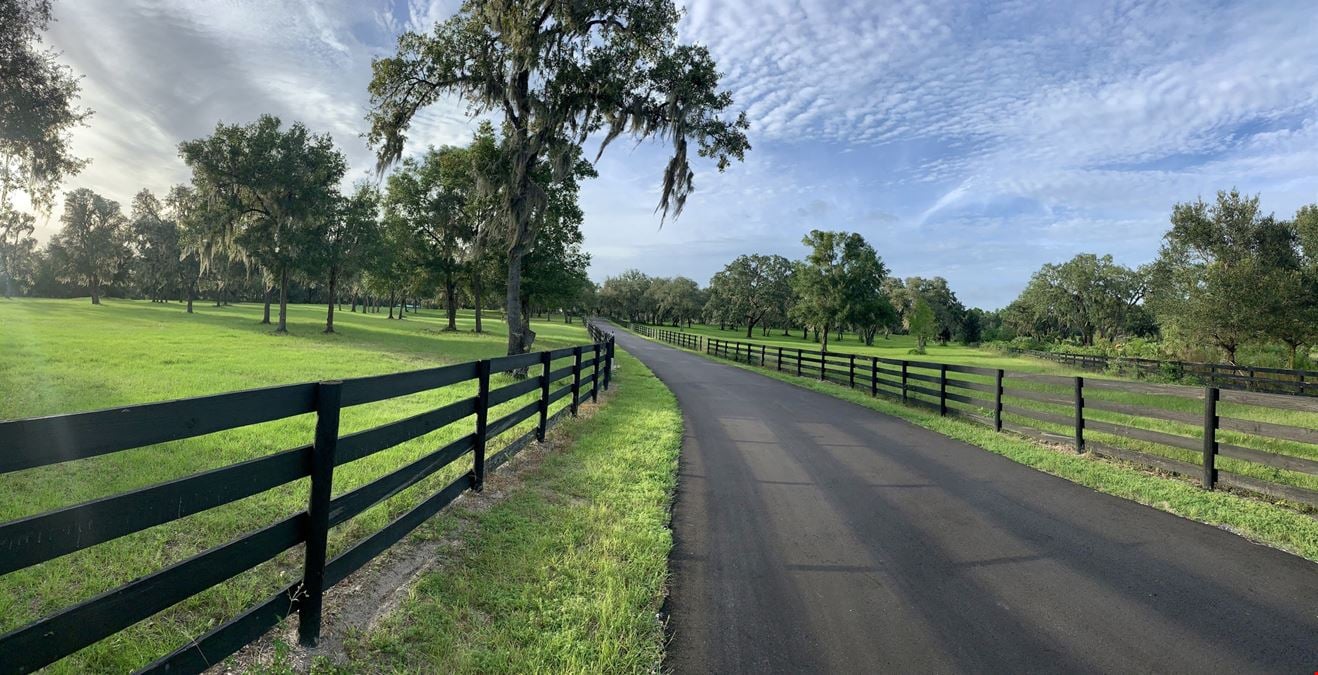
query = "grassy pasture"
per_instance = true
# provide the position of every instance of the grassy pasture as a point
(893, 347)
(67, 356)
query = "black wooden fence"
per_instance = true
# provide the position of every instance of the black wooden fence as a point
(1221, 375)
(30, 443)
(677, 337)
(1209, 433)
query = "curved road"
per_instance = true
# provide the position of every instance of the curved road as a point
(815, 535)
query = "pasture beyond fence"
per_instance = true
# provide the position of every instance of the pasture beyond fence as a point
(31, 443)
(1221, 375)
(1260, 442)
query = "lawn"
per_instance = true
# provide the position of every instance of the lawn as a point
(63, 356)
(892, 347)
(579, 596)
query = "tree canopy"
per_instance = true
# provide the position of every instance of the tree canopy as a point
(1217, 270)
(93, 243)
(277, 188)
(38, 108)
(840, 283)
(554, 73)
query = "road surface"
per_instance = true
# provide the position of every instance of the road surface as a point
(815, 535)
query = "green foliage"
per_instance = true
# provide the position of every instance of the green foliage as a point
(38, 107)
(1089, 297)
(752, 287)
(555, 73)
(948, 311)
(840, 284)
(18, 250)
(923, 323)
(429, 201)
(626, 295)
(92, 247)
(1219, 270)
(159, 265)
(276, 188)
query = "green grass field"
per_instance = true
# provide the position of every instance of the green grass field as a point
(566, 575)
(893, 347)
(66, 356)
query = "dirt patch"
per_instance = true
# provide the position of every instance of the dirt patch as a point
(359, 602)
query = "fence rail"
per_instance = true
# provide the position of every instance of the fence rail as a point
(677, 337)
(1208, 433)
(31, 443)
(1221, 375)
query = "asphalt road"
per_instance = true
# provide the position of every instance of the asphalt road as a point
(815, 535)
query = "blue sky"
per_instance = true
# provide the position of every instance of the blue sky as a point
(972, 141)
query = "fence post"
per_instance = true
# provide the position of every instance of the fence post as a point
(904, 365)
(942, 390)
(576, 379)
(595, 371)
(482, 420)
(322, 478)
(608, 362)
(997, 401)
(851, 370)
(1079, 414)
(545, 362)
(798, 361)
(779, 366)
(874, 376)
(1210, 437)
(761, 356)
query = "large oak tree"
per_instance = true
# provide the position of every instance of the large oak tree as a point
(277, 186)
(554, 72)
(92, 245)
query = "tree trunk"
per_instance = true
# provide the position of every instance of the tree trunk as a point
(265, 318)
(192, 293)
(391, 304)
(95, 289)
(354, 302)
(283, 301)
(518, 340)
(451, 301)
(750, 326)
(826, 329)
(333, 287)
(476, 293)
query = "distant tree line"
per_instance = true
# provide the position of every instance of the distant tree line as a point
(841, 286)
(264, 219)
(1227, 278)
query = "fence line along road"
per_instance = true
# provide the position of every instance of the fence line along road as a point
(44, 441)
(1209, 433)
(1222, 375)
